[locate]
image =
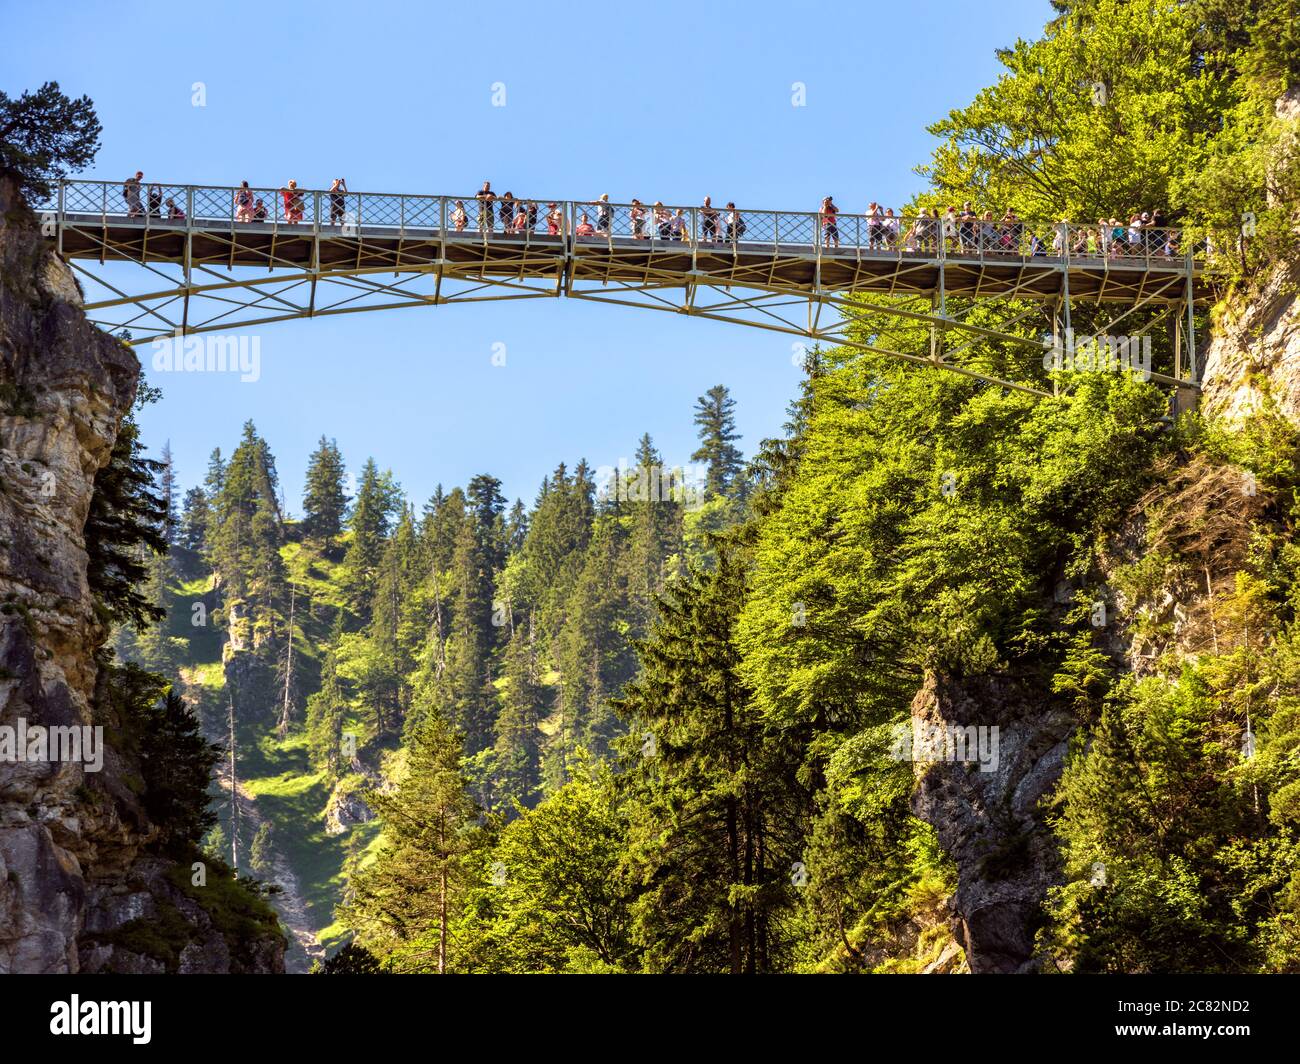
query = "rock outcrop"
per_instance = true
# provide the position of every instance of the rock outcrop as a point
(79, 890)
(987, 810)
(1256, 348)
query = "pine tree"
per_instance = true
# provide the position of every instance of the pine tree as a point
(261, 856)
(469, 697)
(326, 709)
(378, 497)
(195, 518)
(177, 763)
(712, 837)
(324, 501)
(248, 532)
(486, 506)
(655, 520)
(124, 524)
(167, 491)
(215, 480)
(516, 527)
(523, 706)
(715, 418)
(405, 902)
(392, 641)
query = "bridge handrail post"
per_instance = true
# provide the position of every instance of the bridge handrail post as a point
(103, 204)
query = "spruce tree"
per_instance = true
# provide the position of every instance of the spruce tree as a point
(655, 520)
(168, 492)
(405, 903)
(378, 497)
(716, 421)
(326, 709)
(712, 836)
(195, 517)
(523, 705)
(324, 501)
(124, 525)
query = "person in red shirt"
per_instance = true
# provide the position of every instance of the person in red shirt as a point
(830, 223)
(293, 206)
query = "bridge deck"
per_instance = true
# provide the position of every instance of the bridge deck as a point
(741, 263)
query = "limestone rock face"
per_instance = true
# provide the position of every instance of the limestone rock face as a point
(1254, 343)
(69, 839)
(990, 823)
(1257, 339)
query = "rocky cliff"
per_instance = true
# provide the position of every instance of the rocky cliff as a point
(79, 888)
(993, 825)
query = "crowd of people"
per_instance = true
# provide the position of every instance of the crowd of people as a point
(956, 230)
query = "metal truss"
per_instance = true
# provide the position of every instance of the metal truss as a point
(207, 270)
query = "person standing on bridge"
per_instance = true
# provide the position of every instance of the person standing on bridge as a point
(155, 201)
(338, 200)
(875, 226)
(889, 229)
(506, 206)
(708, 222)
(293, 204)
(459, 219)
(174, 213)
(637, 215)
(585, 228)
(486, 212)
(532, 216)
(604, 215)
(243, 203)
(830, 223)
(554, 219)
(661, 220)
(677, 225)
(948, 236)
(131, 193)
(735, 223)
(966, 231)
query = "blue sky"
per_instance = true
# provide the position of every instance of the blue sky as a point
(667, 102)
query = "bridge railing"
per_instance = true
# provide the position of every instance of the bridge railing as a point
(626, 225)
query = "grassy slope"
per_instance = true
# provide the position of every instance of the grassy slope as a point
(276, 772)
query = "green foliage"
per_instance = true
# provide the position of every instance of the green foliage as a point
(714, 810)
(44, 136)
(552, 897)
(125, 523)
(324, 501)
(403, 903)
(716, 420)
(177, 764)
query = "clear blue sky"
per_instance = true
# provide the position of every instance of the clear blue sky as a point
(671, 101)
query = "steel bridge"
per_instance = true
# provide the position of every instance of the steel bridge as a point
(225, 258)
